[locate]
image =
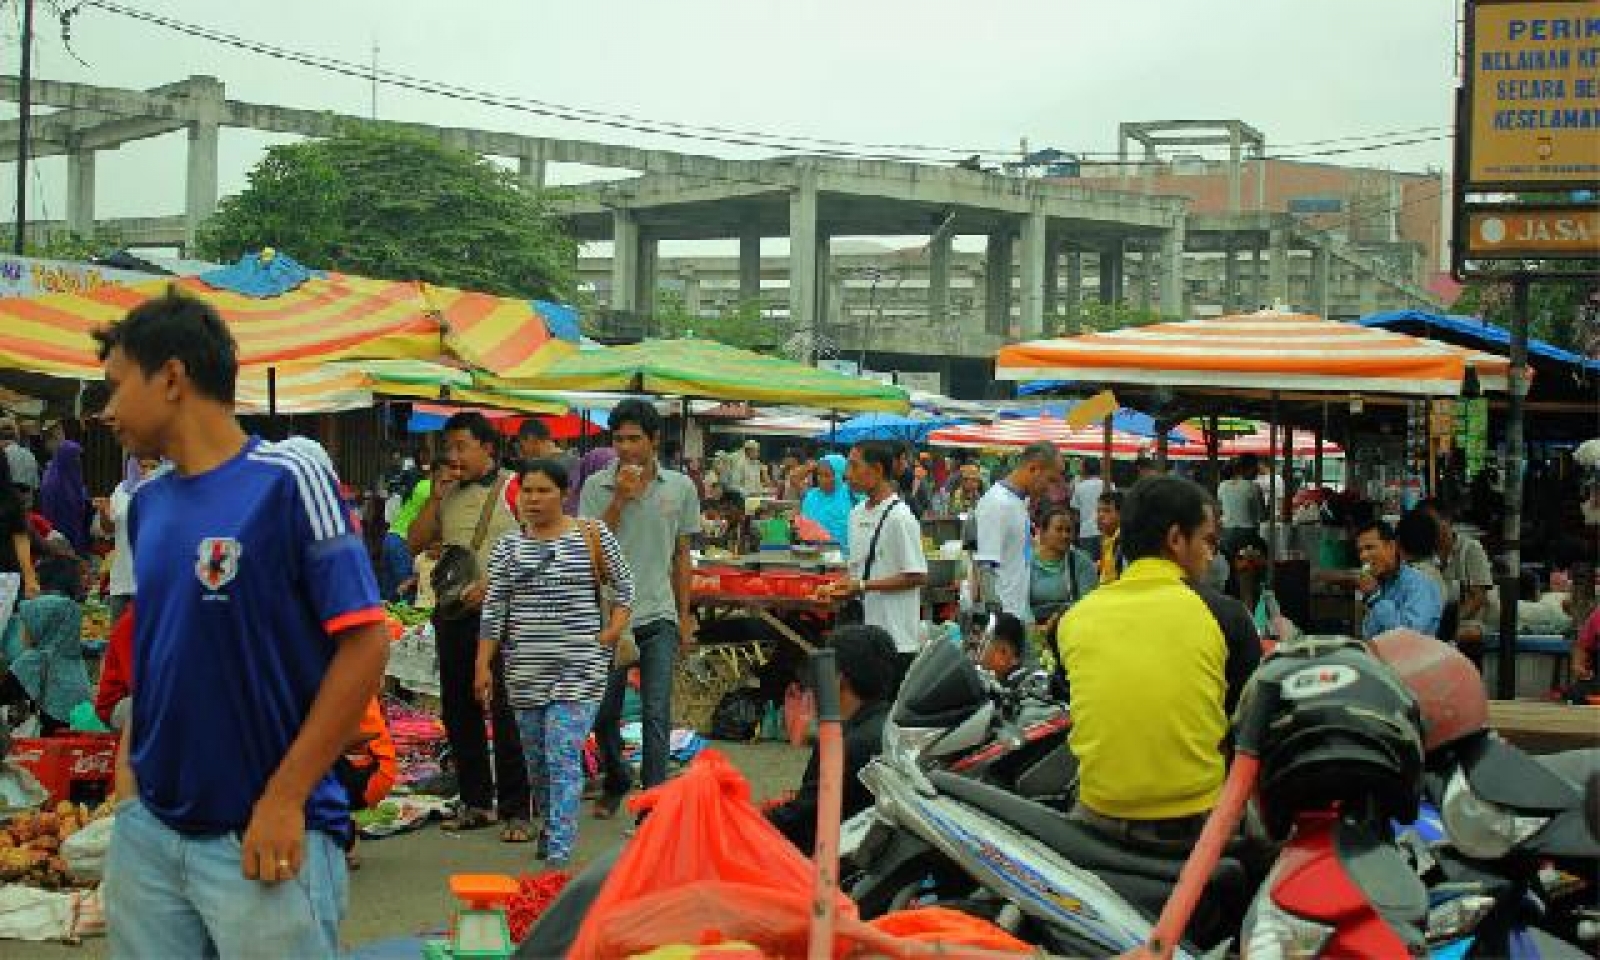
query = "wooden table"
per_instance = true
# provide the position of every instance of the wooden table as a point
(1540, 727)
(765, 609)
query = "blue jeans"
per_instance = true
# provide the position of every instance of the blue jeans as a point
(658, 653)
(169, 894)
(552, 742)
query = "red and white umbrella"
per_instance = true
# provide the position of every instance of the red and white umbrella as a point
(1258, 443)
(1086, 441)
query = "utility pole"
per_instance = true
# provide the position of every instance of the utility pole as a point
(24, 108)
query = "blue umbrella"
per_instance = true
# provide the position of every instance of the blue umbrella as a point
(886, 426)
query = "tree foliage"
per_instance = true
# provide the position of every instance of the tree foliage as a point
(741, 325)
(392, 204)
(1095, 317)
(1560, 311)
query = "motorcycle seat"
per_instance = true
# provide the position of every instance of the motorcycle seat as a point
(1144, 880)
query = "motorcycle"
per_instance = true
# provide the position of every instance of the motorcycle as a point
(965, 843)
(1015, 740)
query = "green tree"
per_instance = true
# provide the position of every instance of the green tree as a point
(388, 203)
(1096, 317)
(1556, 311)
(740, 325)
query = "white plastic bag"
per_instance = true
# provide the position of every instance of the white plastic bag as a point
(27, 913)
(20, 791)
(85, 851)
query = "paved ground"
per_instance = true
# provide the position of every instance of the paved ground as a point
(400, 889)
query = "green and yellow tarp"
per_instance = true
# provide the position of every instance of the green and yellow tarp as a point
(706, 368)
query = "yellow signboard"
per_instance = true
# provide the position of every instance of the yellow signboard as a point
(1533, 92)
(1533, 232)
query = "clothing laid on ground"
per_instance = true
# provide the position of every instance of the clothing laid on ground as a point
(1005, 544)
(543, 607)
(863, 740)
(1055, 585)
(876, 554)
(1409, 599)
(247, 573)
(1155, 665)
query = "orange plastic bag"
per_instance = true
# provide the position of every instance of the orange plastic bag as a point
(941, 925)
(799, 713)
(703, 835)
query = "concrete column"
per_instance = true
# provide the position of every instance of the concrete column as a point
(531, 167)
(1172, 285)
(803, 315)
(624, 262)
(1111, 274)
(1230, 279)
(1074, 291)
(1234, 171)
(80, 192)
(997, 284)
(1278, 266)
(1052, 287)
(1144, 275)
(827, 306)
(644, 298)
(1035, 247)
(1258, 281)
(749, 265)
(1321, 267)
(200, 189)
(691, 292)
(1369, 294)
(939, 281)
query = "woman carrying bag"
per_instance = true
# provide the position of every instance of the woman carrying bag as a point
(544, 614)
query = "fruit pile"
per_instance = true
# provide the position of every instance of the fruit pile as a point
(407, 614)
(30, 844)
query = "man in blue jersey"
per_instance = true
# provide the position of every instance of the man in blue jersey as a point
(258, 644)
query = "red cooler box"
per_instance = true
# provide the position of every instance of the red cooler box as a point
(78, 767)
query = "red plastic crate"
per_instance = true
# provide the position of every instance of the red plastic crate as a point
(78, 767)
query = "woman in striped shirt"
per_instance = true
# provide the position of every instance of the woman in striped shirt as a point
(542, 614)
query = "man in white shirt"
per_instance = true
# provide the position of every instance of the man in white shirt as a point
(1005, 536)
(1467, 574)
(887, 566)
(1086, 500)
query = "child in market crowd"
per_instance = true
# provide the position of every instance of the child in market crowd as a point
(258, 643)
(424, 564)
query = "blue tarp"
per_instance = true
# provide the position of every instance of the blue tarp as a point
(1486, 336)
(260, 275)
(886, 426)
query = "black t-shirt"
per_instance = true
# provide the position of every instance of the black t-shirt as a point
(12, 522)
(1239, 630)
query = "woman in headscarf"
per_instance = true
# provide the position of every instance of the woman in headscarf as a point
(592, 463)
(48, 663)
(63, 499)
(829, 502)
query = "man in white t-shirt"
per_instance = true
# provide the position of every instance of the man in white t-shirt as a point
(1086, 500)
(1005, 535)
(887, 566)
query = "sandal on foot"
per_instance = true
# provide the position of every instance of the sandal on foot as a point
(516, 831)
(468, 819)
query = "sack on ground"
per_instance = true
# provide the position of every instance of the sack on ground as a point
(737, 717)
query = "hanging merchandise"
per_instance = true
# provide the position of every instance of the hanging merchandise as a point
(1472, 433)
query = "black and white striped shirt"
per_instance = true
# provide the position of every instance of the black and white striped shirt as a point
(547, 589)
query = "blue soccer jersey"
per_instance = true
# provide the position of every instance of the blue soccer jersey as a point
(246, 573)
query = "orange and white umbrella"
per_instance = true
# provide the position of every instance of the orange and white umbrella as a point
(1257, 351)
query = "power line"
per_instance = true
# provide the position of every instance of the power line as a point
(846, 149)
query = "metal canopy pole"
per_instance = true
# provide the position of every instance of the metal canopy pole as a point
(1272, 492)
(1510, 576)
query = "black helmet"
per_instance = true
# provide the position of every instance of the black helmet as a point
(1331, 724)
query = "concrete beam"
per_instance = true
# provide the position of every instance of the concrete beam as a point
(939, 281)
(1074, 292)
(128, 231)
(997, 284)
(749, 265)
(1111, 263)
(531, 168)
(644, 295)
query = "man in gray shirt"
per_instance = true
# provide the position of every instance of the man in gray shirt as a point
(24, 467)
(653, 512)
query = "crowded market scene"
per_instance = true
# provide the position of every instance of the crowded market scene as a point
(407, 554)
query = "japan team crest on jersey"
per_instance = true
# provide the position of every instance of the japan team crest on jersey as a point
(217, 562)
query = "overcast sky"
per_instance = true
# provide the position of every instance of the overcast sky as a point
(955, 73)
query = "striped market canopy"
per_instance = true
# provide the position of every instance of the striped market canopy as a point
(1015, 434)
(1258, 351)
(303, 388)
(1258, 442)
(324, 318)
(706, 368)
